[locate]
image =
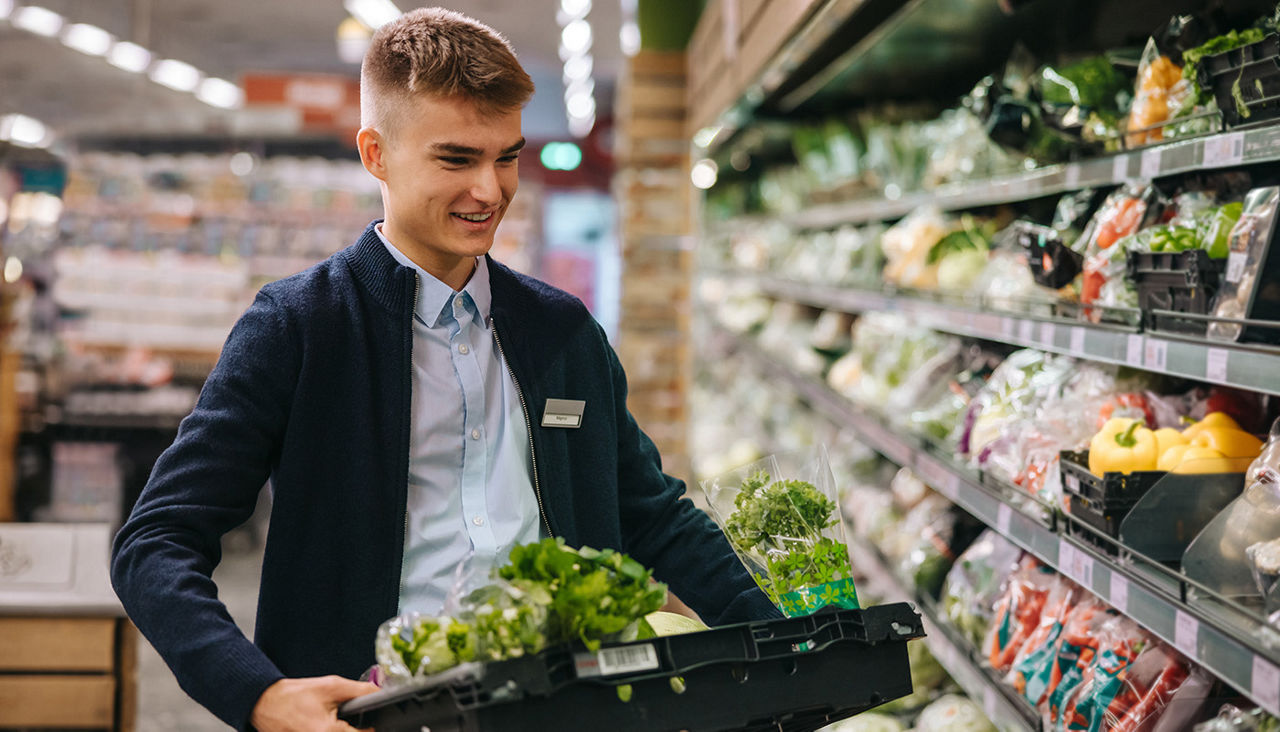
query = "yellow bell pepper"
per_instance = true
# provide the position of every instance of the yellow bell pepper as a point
(1166, 438)
(1123, 445)
(1170, 458)
(1197, 459)
(1234, 443)
(1212, 420)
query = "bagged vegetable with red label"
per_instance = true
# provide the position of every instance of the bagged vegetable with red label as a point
(1103, 696)
(1018, 611)
(1033, 668)
(1076, 651)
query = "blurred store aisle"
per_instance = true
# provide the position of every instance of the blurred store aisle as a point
(162, 705)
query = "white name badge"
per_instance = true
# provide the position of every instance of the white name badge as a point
(566, 413)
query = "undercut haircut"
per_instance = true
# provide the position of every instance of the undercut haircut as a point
(434, 51)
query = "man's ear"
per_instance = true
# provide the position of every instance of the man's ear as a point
(372, 148)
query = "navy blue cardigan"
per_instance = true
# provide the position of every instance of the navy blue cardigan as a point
(313, 390)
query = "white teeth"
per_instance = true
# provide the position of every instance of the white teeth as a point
(474, 217)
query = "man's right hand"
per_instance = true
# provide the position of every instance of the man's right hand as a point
(306, 705)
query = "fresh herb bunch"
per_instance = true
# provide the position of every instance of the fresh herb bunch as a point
(768, 513)
(596, 595)
(826, 561)
(509, 619)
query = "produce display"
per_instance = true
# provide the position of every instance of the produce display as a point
(547, 593)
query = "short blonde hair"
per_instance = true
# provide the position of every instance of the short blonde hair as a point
(441, 52)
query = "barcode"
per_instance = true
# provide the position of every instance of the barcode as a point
(627, 659)
(1235, 266)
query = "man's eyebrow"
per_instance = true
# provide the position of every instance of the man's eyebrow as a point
(453, 148)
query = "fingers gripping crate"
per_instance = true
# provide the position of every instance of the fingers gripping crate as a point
(794, 675)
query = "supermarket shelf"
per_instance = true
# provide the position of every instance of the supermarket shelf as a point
(1222, 150)
(1238, 653)
(1005, 711)
(1256, 368)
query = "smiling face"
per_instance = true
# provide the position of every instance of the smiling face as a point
(448, 173)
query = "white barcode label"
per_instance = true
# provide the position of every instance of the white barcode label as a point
(1073, 483)
(1119, 592)
(1224, 150)
(1082, 569)
(1265, 684)
(1071, 175)
(1156, 354)
(1048, 334)
(1235, 265)
(1186, 633)
(627, 659)
(1150, 164)
(1077, 341)
(1215, 364)
(1120, 168)
(1133, 351)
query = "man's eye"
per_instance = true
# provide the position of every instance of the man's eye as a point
(508, 158)
(454, 161)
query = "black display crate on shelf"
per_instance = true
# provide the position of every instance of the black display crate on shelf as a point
(1170, 283)
(1245, 81)
(792, 675)
(1102, 502)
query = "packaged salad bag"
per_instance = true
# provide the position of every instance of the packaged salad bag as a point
(781, 516)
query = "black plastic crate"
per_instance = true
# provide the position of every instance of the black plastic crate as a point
(1176, 282)
(1112, 489)
(793, 675)
(1245, 81)
(1104, 518)
(1053, 264)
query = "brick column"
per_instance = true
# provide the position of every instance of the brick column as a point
(655, 205)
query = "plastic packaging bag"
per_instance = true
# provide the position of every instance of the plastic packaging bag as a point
(1078, 646)
(1234, 719)
(953, 712)
(782, 518)
(1160, 88)
(1033, 671)
(1018, 611)
(1105, 693)
(1246, 252)
(1122, 215)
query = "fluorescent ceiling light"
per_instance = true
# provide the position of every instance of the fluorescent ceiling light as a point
(575, 8)
(578, 67)
(629, 38)
(373, 13)
(6, 7)
(25, 131)
(220, 93)
(576, 37)
(581, 106)
(38, 20)
(87, 38)
(176, 75)
(130, 57)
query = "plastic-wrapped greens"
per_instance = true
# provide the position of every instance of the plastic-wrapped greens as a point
(973, 584)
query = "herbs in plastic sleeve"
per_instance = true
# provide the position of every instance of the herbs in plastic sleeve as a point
(785, 527)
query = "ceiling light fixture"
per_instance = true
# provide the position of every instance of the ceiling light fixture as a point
(629, 38)
(89, 39)
(176, 75)
(6, 7)
(38, 20)
(24, 131)
(576, 37)
(575, 8)
(220, 93)
(373, 13)
(578, 68)
(130, 57)
(703, 174)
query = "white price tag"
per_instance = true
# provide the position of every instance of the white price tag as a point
(1071, 175)
(1048, 334)
(1223, 150)
(1215, 364)
(1186, 633)
(989, 703)
(1236, 262)
(1066, 557)
(1083, 573)
(1156, 354)
(1150, 164)
(1004, 517)
(1026, 331)
(1133, 350)
(1072, 482)
(1265, 684)
(1120, 168)
(1007, 327)
(1077, 341)
(1119, 595)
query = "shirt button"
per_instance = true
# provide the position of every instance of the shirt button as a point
(478, 521)
(457, 302)
(475, 434)
(463, 349)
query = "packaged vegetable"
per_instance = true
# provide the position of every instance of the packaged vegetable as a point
(1031, 674)
(1105, 242)
(973, 584)
(953, 713)
(1233, 719)
(1104, 695)
(1160, 87)
(1077, 648)
(928, 680)
(787, 530)
(1018, 611)
(1247, 255)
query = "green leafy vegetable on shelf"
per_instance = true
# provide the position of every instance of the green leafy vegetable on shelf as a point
(1214, 46)
(767, 513)
(1093, 83)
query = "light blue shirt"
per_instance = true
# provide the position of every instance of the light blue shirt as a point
(470, 462)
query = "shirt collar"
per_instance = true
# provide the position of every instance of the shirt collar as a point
(434, 296)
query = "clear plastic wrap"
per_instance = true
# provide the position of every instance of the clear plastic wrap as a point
(1077, 648)
(1105, 693)
(1035, 670)
(907, 245)
(973, 584)
(1160, 92)
(1017, 613)
(1121, 215)
(781, 517)
(1233, 719)
(1247, 246)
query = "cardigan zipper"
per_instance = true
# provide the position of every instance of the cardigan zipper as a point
(524, 407)
(404, 536)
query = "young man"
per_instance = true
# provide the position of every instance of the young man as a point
(401, 396)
